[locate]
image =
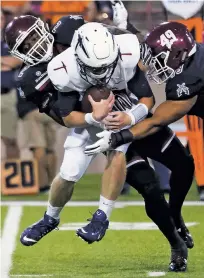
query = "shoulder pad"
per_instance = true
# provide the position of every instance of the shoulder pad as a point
(183, 87)
(30, 80)
(63, 30)
(129, 49)
(58, 70)
(64, 74)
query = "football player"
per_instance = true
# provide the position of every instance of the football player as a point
(51, 218)
(171, 56)
(85, 64)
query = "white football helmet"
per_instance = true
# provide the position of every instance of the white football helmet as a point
(96, 52)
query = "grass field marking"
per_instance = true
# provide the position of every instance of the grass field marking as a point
(8, 240)
(119, 204)
(156, 274)
(119, 226)
(32, 275)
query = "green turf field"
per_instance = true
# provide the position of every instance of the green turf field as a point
(122, 253)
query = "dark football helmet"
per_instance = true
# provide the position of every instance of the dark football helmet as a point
(171, 44)
(21, 28)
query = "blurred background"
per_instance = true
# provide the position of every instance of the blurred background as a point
(20, 153)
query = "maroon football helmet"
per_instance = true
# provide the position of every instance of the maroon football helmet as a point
(171, 44)
(19, 29)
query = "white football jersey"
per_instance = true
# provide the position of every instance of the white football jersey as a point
(64, 71)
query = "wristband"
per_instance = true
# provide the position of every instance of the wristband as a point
(138, 113)
(120, 138)
(91, 121)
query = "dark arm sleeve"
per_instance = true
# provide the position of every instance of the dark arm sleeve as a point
(139, 85)
(130, 30)
(52, 113)
(67, 102)
(135, 31)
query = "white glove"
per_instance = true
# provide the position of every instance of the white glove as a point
(101, 145)
(120, 14)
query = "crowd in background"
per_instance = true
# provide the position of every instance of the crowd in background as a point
(37, 131)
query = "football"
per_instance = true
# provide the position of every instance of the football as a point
(97, 93)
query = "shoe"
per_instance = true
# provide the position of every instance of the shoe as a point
(38, 230)
(179, 258)
(186, 236)
(96, 229)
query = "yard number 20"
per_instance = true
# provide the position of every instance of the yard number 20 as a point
(168, 38)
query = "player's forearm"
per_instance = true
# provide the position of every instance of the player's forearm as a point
(135, 31)
(137, 132)
(140, 111)
(75, 119)
(144, 128)
(79, 119)
(148, 101)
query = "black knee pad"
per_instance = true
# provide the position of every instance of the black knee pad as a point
(143, 178)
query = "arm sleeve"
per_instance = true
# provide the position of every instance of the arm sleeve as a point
(51, 113)
(139, 85)
(67, 102)
(135, 31)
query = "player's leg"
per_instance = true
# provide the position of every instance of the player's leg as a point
(166, 148)
(180, 162)
(75, 163)
(143, 178)
(51, 164)
(113, 179)
(112, 182)
(39, 154)
(50, 133)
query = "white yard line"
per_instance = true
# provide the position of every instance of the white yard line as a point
(156, 274)
(119, 204)
(8, 239)
(33, 275)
